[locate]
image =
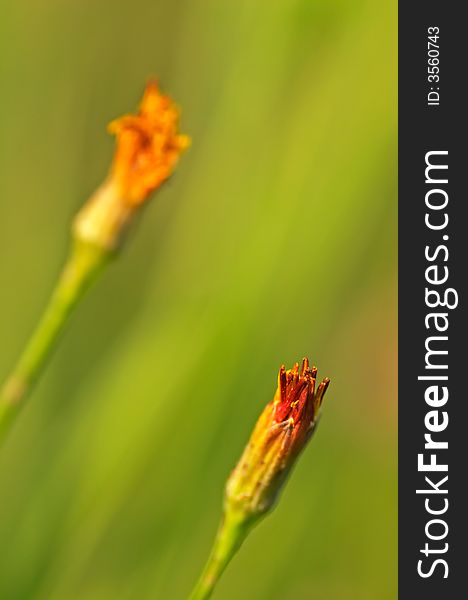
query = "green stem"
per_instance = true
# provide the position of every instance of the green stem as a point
(84, 263)
(231, 533)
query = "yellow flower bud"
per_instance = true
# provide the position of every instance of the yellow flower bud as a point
(282, 431)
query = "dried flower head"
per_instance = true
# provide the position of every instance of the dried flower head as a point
(147, 150)
(281, 432)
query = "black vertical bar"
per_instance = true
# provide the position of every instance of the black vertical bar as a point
(438, 127)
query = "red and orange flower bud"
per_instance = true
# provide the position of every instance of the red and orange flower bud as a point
(148, 148)
(281, 433)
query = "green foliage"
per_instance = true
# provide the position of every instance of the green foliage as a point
(276, 238)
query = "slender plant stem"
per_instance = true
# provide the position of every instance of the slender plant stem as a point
(84, 262)
(231, 533)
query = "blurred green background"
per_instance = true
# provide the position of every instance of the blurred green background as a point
(276, 238)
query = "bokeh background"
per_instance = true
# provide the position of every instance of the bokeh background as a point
(275, 239)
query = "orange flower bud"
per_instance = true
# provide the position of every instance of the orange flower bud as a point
(147, 151)
(281, 432)
(148, 145)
